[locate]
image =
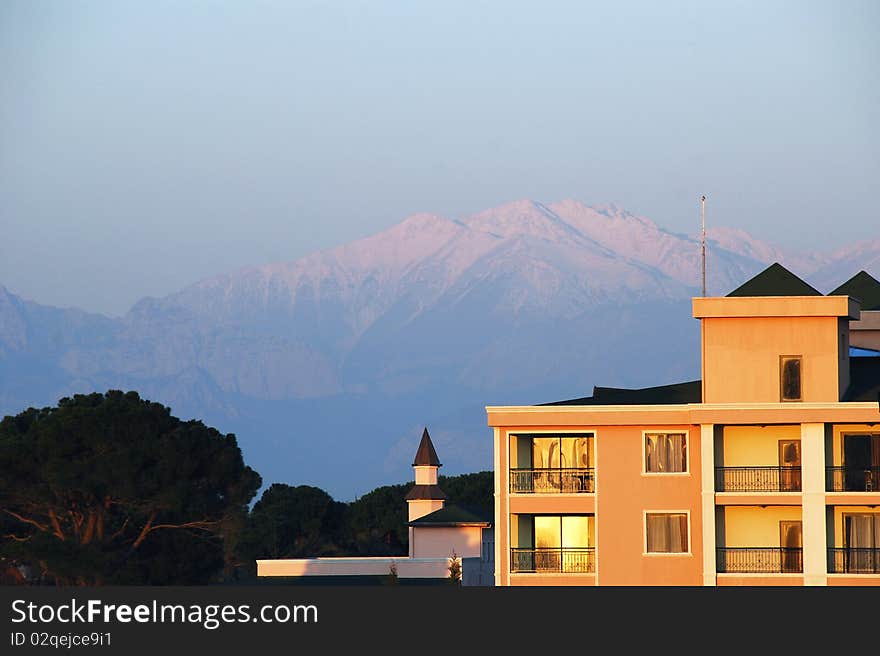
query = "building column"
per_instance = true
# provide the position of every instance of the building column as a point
(813, 509)
(502, 519)
(707, 487)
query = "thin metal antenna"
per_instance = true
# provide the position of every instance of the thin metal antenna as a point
(703, 203)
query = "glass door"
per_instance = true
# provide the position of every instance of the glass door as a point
(861, 534)
(861, 460)
(789, 465)
(791, 545)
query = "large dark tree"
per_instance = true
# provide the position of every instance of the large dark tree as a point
(377, 522)
(111, 488)
(293, 522)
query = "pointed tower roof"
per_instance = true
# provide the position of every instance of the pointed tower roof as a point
(775, 280)
(862, 286)
(426, 455)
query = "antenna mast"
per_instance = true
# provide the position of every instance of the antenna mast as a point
(703, 203)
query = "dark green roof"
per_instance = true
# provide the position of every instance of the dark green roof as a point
(864, 380)
(689, 392)
(425, 492)
(862, 286)
(453, 515)
(426, 455)
(775, 280)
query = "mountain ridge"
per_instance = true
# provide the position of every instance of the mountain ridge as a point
(349, 349)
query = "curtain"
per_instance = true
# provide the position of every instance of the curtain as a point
(580, 452)
(675, 453)
(665, 452)
(652, 453)
(678, 533)
(666, 533)
(860, 538)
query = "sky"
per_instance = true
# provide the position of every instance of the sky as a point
(148, 145)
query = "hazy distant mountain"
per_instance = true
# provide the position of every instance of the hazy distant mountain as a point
(328, 366)
(846, 261)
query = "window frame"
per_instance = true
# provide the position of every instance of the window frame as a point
(782, 359)
(591, 433)
(686, 513)
(687, 452)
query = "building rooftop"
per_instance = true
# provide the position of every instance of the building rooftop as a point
(453, 515)
(862, 286)
(426, 455)
(689, 392)
(775, 280)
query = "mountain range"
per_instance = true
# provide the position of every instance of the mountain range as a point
(328, 367)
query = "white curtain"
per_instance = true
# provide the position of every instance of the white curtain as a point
(862, 534)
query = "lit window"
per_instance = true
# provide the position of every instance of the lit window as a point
(665, 453)
(666, 532)
(790, 377)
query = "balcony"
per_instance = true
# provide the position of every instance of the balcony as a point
(760, 560)
(852, 479)
(552, 481)
(853, 560)
(553, 560)
(757, 479)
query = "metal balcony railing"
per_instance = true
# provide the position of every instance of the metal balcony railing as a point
(852, 479)
(854, 560)
(552, 481)
(757, 479)
(759, 560)
(565, 560)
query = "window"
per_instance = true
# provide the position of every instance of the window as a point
(789, 465)
(665, 453)
(861, 534)
(666, 532)
(861, 462)
(561, 452)
(553, 543)
(790, 377)
(559, 464)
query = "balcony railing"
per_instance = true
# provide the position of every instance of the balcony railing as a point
(852, 479)
(552, 481)
(853, 560)
(565, 560)
(757, 479)
(759, 560)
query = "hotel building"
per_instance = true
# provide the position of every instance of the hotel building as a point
(766, 471)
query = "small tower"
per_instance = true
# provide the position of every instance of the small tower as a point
(425, 496)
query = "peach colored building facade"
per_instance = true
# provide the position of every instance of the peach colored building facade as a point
(764, 472)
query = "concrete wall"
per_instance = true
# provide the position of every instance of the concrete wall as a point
(755, 446)
(741, 358)
(438, 541)
(378, 566)
(623, 495)
(753, 526)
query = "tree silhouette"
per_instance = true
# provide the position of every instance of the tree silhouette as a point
(111, 488)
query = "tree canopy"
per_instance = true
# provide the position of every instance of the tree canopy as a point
(305, 522)
(111, 488)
